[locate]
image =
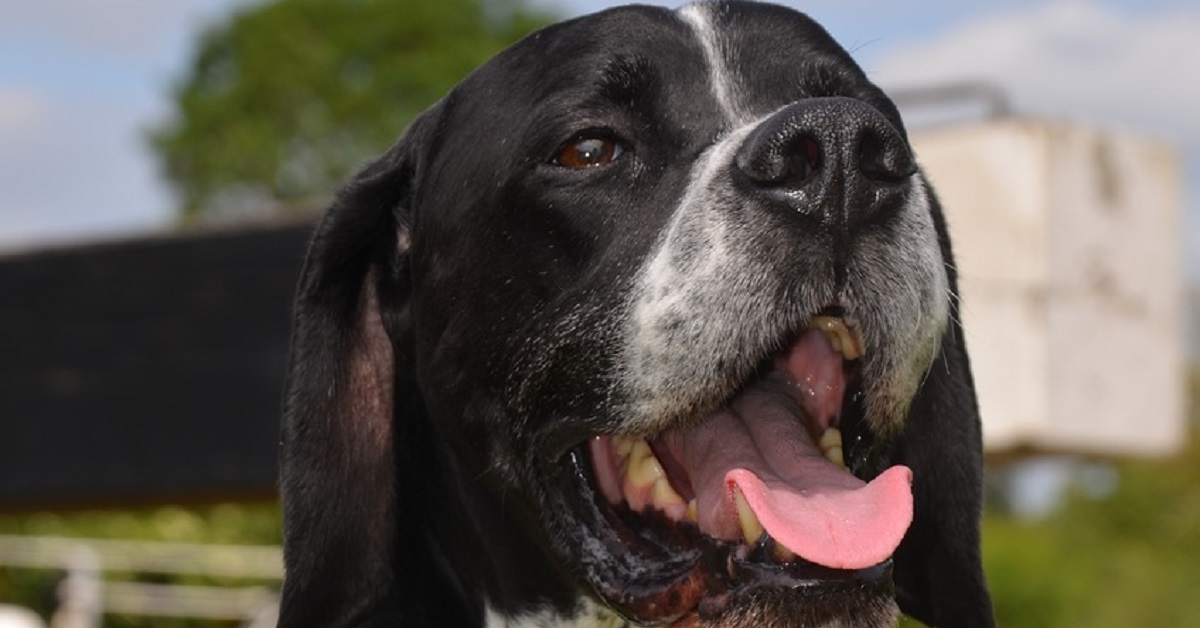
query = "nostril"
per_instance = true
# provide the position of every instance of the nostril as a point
(802, 161)
(811, 149)
(884, 158)
(784, 161)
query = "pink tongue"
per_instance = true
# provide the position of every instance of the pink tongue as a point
(840, 528)
(760, 446)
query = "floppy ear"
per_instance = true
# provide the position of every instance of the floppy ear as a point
(938, 570)
(351, 398)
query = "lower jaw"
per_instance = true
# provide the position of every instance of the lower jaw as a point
(862, 605)
(759, 581)
(664, 573)
(765, 595)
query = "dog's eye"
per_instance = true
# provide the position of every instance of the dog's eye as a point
(588, 151)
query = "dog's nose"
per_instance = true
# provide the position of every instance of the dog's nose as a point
(835, 159)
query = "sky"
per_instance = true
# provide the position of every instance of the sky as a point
(82, 80)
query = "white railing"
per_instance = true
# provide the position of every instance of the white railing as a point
(98, 580)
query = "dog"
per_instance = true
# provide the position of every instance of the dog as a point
(650, 321)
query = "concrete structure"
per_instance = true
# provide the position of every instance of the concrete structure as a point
(1067, 241)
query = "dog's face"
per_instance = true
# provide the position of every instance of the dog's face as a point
(652, 314)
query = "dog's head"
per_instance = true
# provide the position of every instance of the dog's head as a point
(654, 313)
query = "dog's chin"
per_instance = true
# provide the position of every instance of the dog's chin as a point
(860, 606)
(771, 510)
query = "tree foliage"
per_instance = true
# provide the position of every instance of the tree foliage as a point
(284, 99)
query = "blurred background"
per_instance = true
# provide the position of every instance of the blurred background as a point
(162, 162)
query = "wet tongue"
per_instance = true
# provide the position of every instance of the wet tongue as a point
(817, 509)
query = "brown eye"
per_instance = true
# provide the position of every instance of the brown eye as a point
(588, 152)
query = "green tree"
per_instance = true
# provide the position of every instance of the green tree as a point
(285, 98)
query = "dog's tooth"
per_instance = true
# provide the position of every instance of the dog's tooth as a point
(665, 495)
(752, 529)
(633, 450)
(844, 340)
(693, 512)
(639, 449)
(835, 340)
(643, 469)
(831, 438)
(667, 500)
(852, 342)
(831, 446)
(834, 454)
(623, 445)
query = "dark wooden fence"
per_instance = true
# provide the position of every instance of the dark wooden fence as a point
(145, 371)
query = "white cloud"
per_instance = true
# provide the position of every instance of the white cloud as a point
(1075, 59)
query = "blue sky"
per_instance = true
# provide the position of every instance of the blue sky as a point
(81, 80)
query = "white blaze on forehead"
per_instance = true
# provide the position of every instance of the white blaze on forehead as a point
(721, 80)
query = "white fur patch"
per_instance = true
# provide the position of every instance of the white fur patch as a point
(724, 86)
(665, 289)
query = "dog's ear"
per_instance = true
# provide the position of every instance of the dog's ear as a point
(349, 377)
(938, 569)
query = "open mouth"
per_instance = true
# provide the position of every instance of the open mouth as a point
(778, 488)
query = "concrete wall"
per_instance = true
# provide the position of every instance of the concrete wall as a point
(1067, 241)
